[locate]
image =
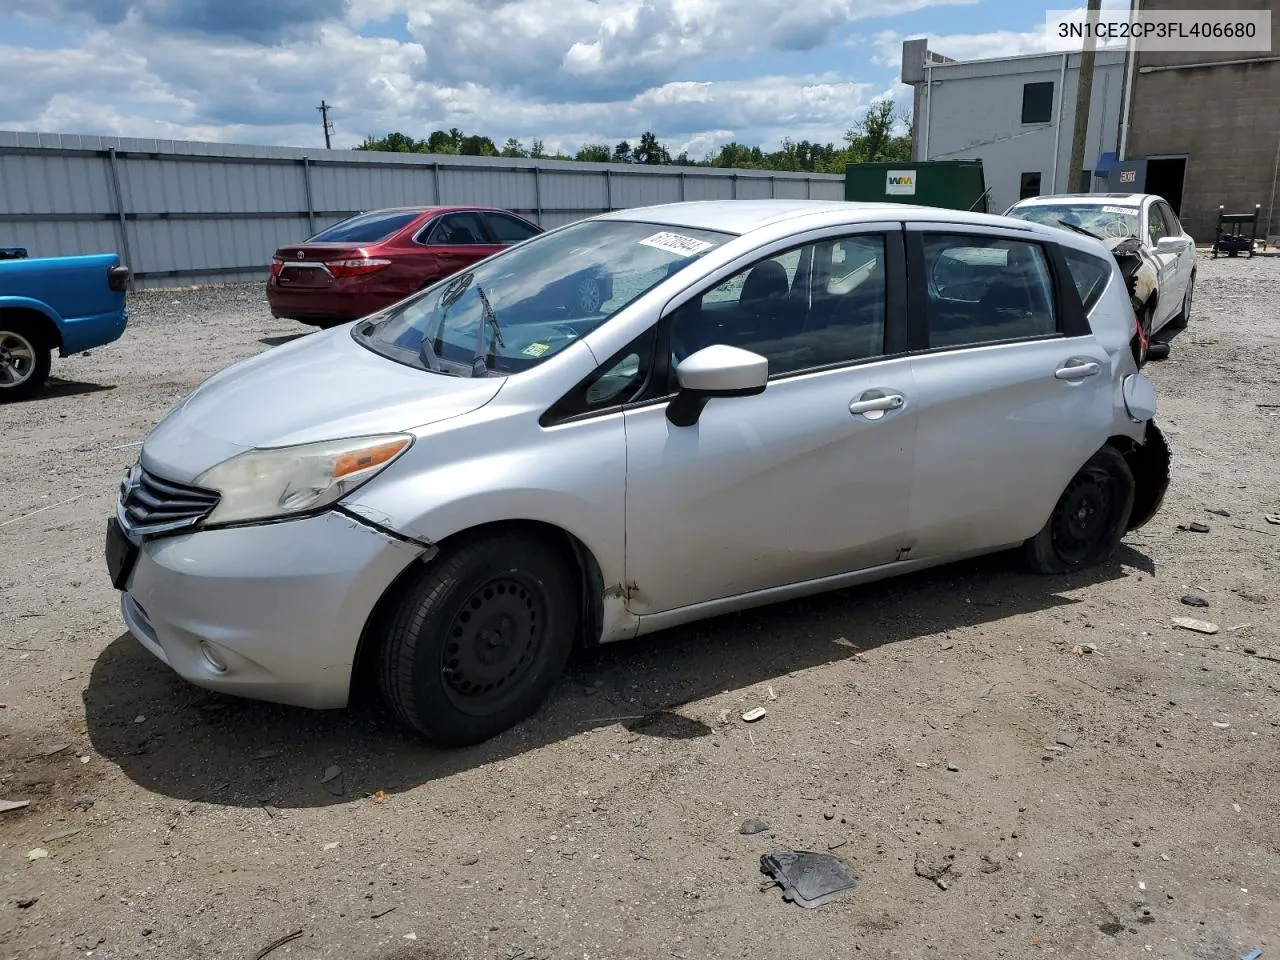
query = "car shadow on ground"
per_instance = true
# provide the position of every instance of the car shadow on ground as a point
(56, 387)
(282, 338)
(175, 739)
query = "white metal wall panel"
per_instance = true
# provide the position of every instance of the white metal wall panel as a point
(718, 187)
(204, 212)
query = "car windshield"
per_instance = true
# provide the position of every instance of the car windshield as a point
(524, 306)
(1105, 220)
(367, 227)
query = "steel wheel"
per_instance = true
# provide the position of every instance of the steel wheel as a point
(474, 640)
(1084, 515)
(1089, 519)
(18, 359)
(492, 643)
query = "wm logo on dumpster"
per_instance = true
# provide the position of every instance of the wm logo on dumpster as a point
(900, 182)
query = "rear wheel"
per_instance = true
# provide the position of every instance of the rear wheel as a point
(478, 641)
(25, 360)
(1089, 519)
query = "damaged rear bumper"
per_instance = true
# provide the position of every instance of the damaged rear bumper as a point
(1149, 462)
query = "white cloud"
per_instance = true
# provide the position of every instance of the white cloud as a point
(564, 71)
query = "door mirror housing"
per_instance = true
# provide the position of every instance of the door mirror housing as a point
(716, 371)
(1169, 243)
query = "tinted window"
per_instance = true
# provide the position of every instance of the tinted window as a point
(457, 229)
(366, 228)
(1029, 186)
(981, 289)
(618, 380)
(1037, 102)
(812, 306)
(1090, 275)
(508, 229)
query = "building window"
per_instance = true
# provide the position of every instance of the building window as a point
(1037, 102)
(1030, 186)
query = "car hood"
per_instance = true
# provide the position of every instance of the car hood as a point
(322, 386)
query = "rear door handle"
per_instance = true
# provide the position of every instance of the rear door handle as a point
(877, 405)
(1078, 369)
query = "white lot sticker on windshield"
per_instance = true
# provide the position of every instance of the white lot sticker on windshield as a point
(676, 243)
(1118, 210)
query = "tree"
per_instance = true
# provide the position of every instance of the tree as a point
(514, 148)
(594, 153)
(650, 151)
(539, 151)
(477, 146)
(871, 139)
(392, 143)
(622, 153)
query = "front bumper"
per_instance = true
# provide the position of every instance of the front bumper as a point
(270, 612)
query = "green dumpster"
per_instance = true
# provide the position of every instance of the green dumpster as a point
(953, 184)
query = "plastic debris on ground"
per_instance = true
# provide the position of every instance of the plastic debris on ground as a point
(756, 713)
(809, 879)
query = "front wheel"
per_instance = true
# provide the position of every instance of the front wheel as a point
(477, 642)
(24, 360)
(1089, 519)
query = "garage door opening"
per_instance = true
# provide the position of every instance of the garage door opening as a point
(1165, 176)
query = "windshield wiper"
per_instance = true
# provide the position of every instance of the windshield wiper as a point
(479, 365)
(1079, 229)
(429, 350)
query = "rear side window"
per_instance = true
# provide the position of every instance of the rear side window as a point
(457, 229)
(1090, 275)
(509, 229)
(365, 228)
(985, 290)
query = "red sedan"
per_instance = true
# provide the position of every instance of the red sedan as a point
(373, 260)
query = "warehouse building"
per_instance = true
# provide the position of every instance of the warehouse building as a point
(1203, 129)
(1017, 115)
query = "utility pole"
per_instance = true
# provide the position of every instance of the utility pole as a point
(324, 116)
(1084, 96)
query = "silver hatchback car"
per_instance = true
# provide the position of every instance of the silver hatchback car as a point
(779, 398)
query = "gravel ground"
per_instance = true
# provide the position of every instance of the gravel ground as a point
(182, 824)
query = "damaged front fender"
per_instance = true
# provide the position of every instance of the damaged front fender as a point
(1149, 463)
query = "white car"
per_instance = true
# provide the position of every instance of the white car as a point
(779, 397)
(1162, 273)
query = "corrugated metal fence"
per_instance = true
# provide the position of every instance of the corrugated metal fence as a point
(182, 212)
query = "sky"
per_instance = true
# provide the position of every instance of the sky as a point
(698, 73)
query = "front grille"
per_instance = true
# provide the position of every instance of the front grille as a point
(151, 504)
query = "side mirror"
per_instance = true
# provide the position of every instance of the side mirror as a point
(715, 371)
(1169, 243)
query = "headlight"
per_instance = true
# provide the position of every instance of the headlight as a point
(276, 482)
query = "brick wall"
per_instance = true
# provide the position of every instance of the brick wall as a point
(1225, 118)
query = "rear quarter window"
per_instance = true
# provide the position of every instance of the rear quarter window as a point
(1090, 275)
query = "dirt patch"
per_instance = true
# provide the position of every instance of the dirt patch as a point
(1083, 779)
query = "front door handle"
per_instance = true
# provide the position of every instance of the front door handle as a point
(875, 407)
(1078, 369)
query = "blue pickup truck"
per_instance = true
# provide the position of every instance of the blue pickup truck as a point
(68, 304)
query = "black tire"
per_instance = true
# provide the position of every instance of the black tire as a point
(25, 358)
(1183, 316)
(448, 667)
(1089, 520)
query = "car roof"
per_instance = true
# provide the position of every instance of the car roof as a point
(1086, 199)
(436, 210)
(744, 216)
